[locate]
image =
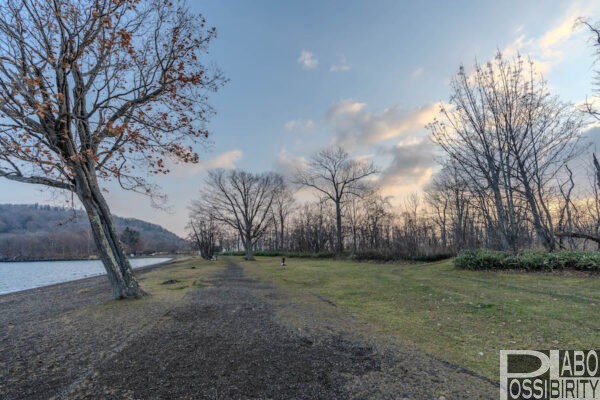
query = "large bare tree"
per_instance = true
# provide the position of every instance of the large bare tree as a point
(101, 89)
(243, 201)
(283, 206)
(512, 139)
(335, 176)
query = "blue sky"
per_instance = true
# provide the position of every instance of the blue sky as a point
(364, 74)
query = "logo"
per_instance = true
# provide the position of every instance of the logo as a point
(549, 374)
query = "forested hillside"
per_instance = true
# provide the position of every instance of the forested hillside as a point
(34, 232)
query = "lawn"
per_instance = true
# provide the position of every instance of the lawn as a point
(464, 317)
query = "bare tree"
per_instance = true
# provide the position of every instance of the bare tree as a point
(204, 229)
(512, 139)
(283, 205)
(243, 201)
(583, 221)
(101, 89)
(335, 176)
(312, 229)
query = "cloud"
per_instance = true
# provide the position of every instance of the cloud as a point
(560, 32)
(342, 66)
(308, 60)
(411, 168)
(346, 107)
(417, 72)
(299, 125)
(225, 160)
(542, 63)
(288, 164)
(354, 125)
(411, 161)
(551, 47)
(395, 137)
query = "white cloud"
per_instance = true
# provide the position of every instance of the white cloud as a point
(341, 66)
(354, 125)
(225, 160)
(308, 60)
(551, 47)
(417, 72)
(299, 125)
(346, 107)
(288, 164)
(560, 32)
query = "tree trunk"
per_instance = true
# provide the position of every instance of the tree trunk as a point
(248, 247)
(506, 244)
(120, 275)
(545, 235)
(282, 244)
(338, 221)
(248, 252)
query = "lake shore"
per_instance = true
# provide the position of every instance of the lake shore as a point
(19, 276)
(94, 258)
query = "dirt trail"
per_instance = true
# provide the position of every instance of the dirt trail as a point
(228, 341)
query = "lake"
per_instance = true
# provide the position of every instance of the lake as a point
(17, 276)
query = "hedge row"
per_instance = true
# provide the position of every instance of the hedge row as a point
(528, 260)
(377, 255)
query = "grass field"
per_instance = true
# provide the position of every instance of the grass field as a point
(464, 317)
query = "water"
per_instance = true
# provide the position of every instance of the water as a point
(17, 276)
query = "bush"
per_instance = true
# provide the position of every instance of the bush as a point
(387, 255)
(528, 260)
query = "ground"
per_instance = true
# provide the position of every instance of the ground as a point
(209, 331)
(465, 317)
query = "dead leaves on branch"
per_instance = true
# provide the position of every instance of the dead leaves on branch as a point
(117, 83)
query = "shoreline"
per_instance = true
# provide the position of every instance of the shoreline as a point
(53, 286)
(5, 260)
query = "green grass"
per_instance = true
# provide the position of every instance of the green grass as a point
(451, 313)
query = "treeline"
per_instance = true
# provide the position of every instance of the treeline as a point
(516, 175)
(243, 211)
(42, 232)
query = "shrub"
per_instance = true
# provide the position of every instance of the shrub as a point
(528, 260)
(481, 259)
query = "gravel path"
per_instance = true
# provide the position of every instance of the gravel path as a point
(240, 338)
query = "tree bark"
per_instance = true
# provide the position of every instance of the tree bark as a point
(338, 221)
(248, 251)
(120, 274)
(282, 223)
(248, 254)
(580, 235)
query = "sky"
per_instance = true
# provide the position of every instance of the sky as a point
(366, 75)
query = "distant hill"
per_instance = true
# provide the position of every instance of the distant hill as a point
(41, 232)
